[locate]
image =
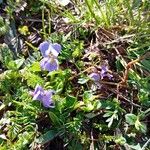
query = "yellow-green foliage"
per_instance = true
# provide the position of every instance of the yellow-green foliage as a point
(3, 26)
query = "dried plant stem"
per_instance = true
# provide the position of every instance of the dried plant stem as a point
(129, 65)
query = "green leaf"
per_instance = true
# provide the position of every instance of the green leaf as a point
(143, 96)
(16, 64)
(54, 118)
(32, 79)
(4, 28)
(19, 62)
(5, 55)
(83, 80)
(136, 147)
(130, 119)
(88, 96)
(91, 115)
(112, 115)
(134, 76)
(48, 136)
(13, 130)
(108, 114)
(110, 120)
(60, 86)
(120, 140)
(140, 126)
(70, 101)
(97, 104)
(35, 67)
(89, 107)
(146, 64)
(137, 124)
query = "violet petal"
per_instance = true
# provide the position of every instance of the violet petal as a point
(47, 99)
(37, 94)
(44, 48)
(57, 47)
(49, 64)
(95, 76)
(104, 70)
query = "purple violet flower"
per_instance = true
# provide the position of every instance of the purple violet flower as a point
(50, 53)
(49, 64)
(47, 49)
(43, 96)
(37, 94)
(47, 99)
(95, 76)
(104, 72)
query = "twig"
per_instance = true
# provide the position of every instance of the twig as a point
(130, 64)
(120, 39)
(92, 67)
(127, 69)
(132, 101)
(24, 18)
(92, 143)
(111, 83)
(124, 38)
(129, 101)
(145, 145)
(121, 96)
